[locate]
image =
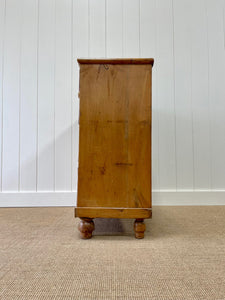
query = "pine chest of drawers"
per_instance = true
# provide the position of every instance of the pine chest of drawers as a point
(114, 171)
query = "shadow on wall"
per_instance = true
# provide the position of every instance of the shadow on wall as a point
(54, 169)
(181, 147)
(57, 156)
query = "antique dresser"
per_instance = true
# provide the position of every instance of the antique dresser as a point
(114, 171)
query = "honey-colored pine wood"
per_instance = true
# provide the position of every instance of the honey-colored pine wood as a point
(122, 213)
(86, 227)
(117, 61)
(139, 228)
(114, 174)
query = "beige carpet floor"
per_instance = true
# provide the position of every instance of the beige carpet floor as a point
(181, 257)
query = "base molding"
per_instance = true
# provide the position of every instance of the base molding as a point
(162, 197)
(37, 199)
(188, 197)
(113, 212)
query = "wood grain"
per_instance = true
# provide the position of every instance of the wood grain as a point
(122, 213)
(115, 138)
(86, 227)
(117, 61)
(139, 228)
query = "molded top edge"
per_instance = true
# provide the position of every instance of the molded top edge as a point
(117, 61)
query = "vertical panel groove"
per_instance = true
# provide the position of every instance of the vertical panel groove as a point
(224, 23)
(209, 100)
(192, 118)
(20, 74)
(28, 94)
(62, 95)
(11, 94)
(156, 101)
(216, 90)
(174, 103)
(122, 28)
(184, 141)
(46, 159)
(71, 97)
(105, 28)
(2, 106)
(38, 19)
(54, 70)
(202, 126)
(89, 28)
(139, 27)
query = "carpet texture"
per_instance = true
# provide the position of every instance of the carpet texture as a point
(181, 257)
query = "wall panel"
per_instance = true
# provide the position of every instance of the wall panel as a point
(183, 94)
(80, 48)
(2, 52)
(200, 96)
(165, 96)
(40, 41)
(114, 30)
(216, 52)
(28, 102)
(62, 92)
(11, 96)
(46, 96)
(131, 28)
(148, 48)
(97, 30)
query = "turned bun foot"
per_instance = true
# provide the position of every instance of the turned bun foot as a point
(86, 227)
(139, 228)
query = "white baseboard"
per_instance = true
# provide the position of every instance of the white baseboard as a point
(35, 199)
(188, 197)
(163, 197)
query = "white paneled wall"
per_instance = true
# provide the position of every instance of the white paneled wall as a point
(40, 41)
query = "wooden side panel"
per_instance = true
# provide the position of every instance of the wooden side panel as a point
(114, 147)
(139, 135)
(127, 213)
(102, 179)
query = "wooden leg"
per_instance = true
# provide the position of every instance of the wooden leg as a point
(139, 228)
(86, 226)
